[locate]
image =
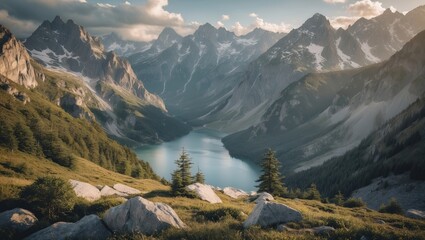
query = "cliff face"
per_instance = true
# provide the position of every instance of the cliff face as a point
(14, 60)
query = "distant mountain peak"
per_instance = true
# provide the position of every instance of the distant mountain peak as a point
(58, 21)
(317, 21)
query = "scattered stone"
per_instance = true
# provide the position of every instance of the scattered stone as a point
(416, 214)
(253, 193)
(126, 189)
(141, 215)
(380, 221)
(234, 192)
(85, 190)
(89, 227)
(323, 230)
(18, 219)
(204, 192)
(264, 196)
(108, 191)
(269, 213)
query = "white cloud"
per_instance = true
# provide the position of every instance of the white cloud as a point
(20, 27)
(366, 8)
(362, 8)
(220, 24)
(140, 22)
(334, 1)
(258, 22)
(225, 17)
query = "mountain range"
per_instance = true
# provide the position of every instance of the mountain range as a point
(107, 84)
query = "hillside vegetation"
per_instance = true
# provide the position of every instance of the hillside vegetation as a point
(43, 129)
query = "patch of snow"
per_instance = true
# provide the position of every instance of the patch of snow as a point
(317, 50)
(201, 53)
(345, 59)
(44, 56)
(247, 41)
(367, 50)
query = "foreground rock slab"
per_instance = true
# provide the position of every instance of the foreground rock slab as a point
(18, 219)
(126, 189)
(267, 214)
(108, 191)
(204, 192)
(85, 190)
(234, 192)
(141, 215)
(89, 227)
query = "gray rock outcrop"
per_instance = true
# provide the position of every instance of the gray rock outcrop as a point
(141, 215)
(262, 197)
(268, 214)
(126, 189)
(204, 192)
(85, 190)
(89, 227)
(108, 191)
(17, 219)
(234, 192)
(415, 214)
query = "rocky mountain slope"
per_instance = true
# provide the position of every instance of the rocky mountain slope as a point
(324, 115)
(201, 67)
(388, 163)
(14, 60)
(314, 47)
(126, 109)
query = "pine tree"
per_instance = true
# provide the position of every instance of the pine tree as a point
(199, 177)
(312, 193)
(338, 199)
(271, 179)
(181, 177)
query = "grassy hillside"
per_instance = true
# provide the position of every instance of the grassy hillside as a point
(42, 129)
(206, 221)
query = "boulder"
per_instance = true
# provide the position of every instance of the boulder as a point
(108, 191)
(89, 227)
(416, 214)
(126, 189)
(264, 196)
(269, 213)
(234, 192)
(85, 190)
(17, 219)
(141, 215)
(204, 192)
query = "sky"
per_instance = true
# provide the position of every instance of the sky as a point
(143, 20)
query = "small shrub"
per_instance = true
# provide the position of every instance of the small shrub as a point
(50, 197)
(219, 214)
(393, 207)
(354, 202)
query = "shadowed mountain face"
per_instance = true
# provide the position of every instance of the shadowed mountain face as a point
(113, 42)
(127, 110)
(199, 70)
(324, 115)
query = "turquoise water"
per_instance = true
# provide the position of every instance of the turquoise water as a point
(208, 153)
